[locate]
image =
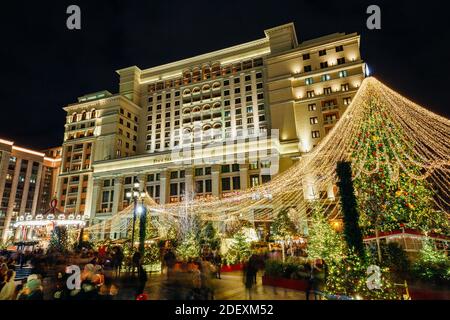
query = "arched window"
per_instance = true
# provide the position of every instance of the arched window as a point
(216, 105)
(187, 111)
(206, 87)
(196, 90)
(187, 77)
(217, 125)
(74, 117)
(196, 74)
(83, 115)
(206, 72)
(196, 109)
(186, 92)
(93, 114)
(215, 70)
(206, 107)
(216, 85)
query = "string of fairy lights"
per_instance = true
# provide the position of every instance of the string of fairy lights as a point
(423, 144)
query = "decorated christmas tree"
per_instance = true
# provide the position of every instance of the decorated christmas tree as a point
(283, 229)
(209, 236)
(388, 191)
(239, 250)
(323, 241)
(189, 248)
(59, 239)
(352, 277)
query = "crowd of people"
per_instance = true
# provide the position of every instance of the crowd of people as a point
(28, 289)
(53, 277)
(192, 279)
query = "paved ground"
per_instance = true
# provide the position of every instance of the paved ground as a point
(230, 287)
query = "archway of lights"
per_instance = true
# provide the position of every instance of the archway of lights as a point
(380, 133)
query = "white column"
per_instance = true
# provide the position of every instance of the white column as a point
(215, 177)
(94, 198)
(4, 163)
(188, 180)
(12, 199)
(26, 186)
(117, 200)
(89, 191)
(243, 175)
(164, 186)
(80, 190)
(37, 190)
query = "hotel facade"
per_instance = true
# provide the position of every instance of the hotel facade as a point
(210, 125)
(28, 182)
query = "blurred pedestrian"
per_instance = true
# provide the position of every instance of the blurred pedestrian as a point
(9, 288)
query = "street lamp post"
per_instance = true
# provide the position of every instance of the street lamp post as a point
(142, 226)
(135, 195)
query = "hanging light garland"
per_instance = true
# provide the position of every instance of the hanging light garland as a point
(420, 153)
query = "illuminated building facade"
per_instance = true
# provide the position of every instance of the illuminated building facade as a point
(210, 125)
(27, 183)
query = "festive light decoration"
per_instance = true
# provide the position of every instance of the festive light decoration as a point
(323, 241)
(239, 250)
(348, 277)
(419, 153)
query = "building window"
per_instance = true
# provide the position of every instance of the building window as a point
(306, 56)
(313, 120)
(309, 81)
(310, 94)
(236, 183)
(312, 107)
(345, 87)
(322, 52)
(208, 186)
(265, 178)
(347, 101)
(174, 189)
(327, 90)
(226, 186)
(254, 180)
(199, 186)
(339, 48)
(343, 74)
(341, 61)
(225, 168)
(315, 134)
(324, 65)
(198, 172)
(308, 68)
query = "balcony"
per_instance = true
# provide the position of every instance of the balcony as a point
(329, 122)
(330, 108)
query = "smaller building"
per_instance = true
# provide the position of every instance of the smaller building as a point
(27, 182)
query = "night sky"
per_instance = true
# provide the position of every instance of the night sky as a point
(45, 66)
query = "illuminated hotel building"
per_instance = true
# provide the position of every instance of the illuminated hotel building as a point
(27, 183)
(284, 94)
